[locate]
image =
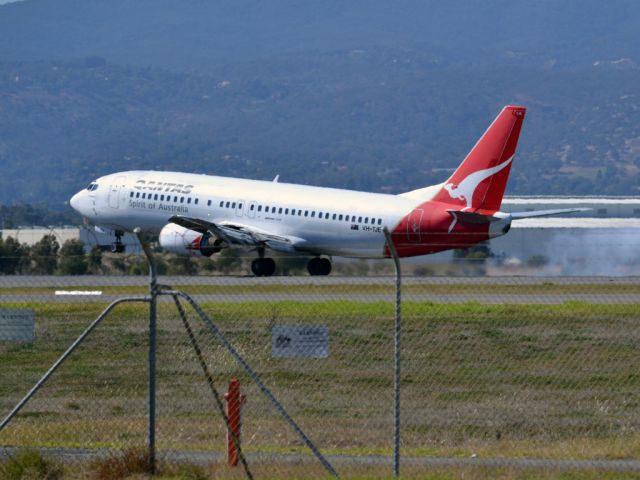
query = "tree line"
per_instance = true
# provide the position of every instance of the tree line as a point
(47, 257)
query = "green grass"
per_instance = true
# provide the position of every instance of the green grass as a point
(351, 288)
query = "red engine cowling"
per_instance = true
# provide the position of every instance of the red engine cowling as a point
(183, 241)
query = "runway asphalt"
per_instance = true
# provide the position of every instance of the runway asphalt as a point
(91, 284)
(204, 458)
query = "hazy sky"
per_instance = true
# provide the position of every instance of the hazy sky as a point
(8, 1)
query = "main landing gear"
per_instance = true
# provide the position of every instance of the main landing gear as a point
(118, 246)
(319, 266)
(263, 267)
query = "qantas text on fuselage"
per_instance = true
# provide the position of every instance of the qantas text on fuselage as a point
(203, 214)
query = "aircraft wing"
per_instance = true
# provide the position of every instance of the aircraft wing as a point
(546, 213)
(238, 234)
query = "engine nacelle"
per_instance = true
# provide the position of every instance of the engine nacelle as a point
(183, 241)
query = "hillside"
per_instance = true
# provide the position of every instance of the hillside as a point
(373, 120)
(371, 95)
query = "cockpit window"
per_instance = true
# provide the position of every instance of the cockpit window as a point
(92, 186)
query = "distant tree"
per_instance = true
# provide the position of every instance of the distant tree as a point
(14, 257)
(537, 261)
(95, 260)
(229, 260)
(291, 265)
(182, 265)
(72, 258)
(44, 255)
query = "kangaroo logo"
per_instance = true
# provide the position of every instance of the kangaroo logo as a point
(467, 187)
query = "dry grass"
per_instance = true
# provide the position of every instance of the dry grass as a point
(550, 381)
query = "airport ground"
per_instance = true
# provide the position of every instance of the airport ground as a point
(498, 374)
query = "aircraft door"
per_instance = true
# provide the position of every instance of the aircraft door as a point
(413, 226)
(252, 209)
(114, 191)
(240, 208)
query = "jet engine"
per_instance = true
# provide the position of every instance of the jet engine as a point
(183, 241)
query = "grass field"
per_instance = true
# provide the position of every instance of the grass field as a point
(514, 381)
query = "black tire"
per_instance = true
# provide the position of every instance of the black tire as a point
(117, 248)
(319, 266)
(263, 267)
(270, 266)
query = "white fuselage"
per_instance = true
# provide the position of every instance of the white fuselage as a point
(331, 221)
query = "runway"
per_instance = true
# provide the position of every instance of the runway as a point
(446, 290)
(338, 460)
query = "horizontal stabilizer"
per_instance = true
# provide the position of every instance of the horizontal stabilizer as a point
(471, 217)
(546, 213)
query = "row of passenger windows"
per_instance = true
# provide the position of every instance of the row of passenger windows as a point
(267, 209)
(163, 198)
(306, 213)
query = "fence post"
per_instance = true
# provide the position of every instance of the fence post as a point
(153, 293)
(397, 359)
(234, 414)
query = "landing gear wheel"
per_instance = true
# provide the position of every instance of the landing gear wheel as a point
(118, 246)
(319, 266)
(263, 267)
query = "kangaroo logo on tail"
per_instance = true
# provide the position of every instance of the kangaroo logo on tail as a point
(467, 187)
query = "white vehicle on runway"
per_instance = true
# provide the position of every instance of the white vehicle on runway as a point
(202, 214)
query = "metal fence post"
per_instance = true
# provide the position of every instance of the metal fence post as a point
(397, 359)
(153, 293)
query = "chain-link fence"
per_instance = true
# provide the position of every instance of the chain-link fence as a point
(502, 377)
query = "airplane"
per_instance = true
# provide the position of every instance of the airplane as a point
(196, 214)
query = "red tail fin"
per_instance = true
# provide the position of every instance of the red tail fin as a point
(480, 180)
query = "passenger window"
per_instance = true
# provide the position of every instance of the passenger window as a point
(239, 206)
(313, 213)
(366, 219)
(131, 195)
(221, 204)
(233, 205)
(359, 219)
(259, 208)
(155, 197)
(286, 211)
(379, 221)
(334, 216)
(137, 194)
(196, 201)
(280, 210)
(252, 207)
(188, 199)
(306, 213)
(208, 203)
(162, 198)
(175, 199)
(299, 213)
(227, 205)
(340, 217)
(181, 199)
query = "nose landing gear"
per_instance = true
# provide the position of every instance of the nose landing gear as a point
(118, 246)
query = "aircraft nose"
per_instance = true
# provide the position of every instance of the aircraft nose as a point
(76, 202)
